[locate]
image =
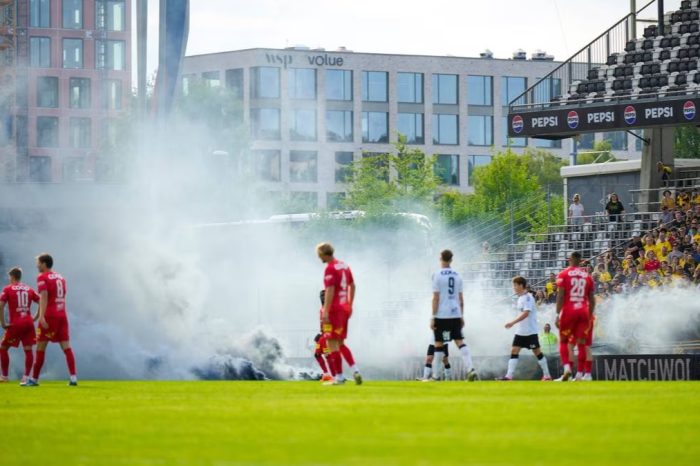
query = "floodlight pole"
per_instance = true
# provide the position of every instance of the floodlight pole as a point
(633, 11)
(660, 4)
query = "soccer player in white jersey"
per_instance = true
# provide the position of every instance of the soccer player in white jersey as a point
(448, 314)
(428, 369)
(526, 330)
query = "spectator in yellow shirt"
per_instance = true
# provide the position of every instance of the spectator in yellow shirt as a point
(667, 201)
(695, 196)
(664, 171)
(661, 243)
(550, 283)
(683, 199)
(603, 274)
(663, 254)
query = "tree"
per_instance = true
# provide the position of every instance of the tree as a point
(405, 181)
(504, 180)
(687, 142)
(602, 152)
(547, 168)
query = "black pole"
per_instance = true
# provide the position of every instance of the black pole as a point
(660, 4)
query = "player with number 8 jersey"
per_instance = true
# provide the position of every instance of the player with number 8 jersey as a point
(575, 308)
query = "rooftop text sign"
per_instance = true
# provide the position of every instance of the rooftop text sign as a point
(287, 59)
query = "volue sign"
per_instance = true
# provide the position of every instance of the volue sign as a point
(317, 60)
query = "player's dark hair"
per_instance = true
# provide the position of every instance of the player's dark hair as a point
(16, 273)
(45, 259)
(576, 255)
(519, 280)
(446, 255)
(322, 295)
(317, 337)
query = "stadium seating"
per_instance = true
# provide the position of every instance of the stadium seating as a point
(651, 65)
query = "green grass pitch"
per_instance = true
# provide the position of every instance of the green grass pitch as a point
(387, 423)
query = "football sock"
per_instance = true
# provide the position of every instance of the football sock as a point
(543, 364)
(322, 363)
(512, 363)
(5, 362)
(70, 360)
(28, 362)
(564, 352)
(427, 370)
(331, 365)
(589, 367)
(437, 362)
(347, 355)
(581, 363)
(466, 357)
(337, 362)
(448, 371)
(38, 364)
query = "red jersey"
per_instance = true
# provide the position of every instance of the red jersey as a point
(53, 283)
(576, 284)
(19, 298)
(651, 266)
(339, 276)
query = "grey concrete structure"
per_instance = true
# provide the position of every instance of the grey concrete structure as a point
(483, 89)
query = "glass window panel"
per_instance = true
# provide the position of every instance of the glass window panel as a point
(40, 13)
(343, 162)
(234, 82)
(267, 164)
(40, 169)
(72, 53)
(73, 168)
(304, 201)
(587, 141)
(80, 133)
(480, 90)
(338, 85)
(411, 126)
(265, 82)
(445, 129)
(302, 125)
(112, 94)
(335, 201)
(638, 143)
(40, 52)
(375, 86)
(339, 126)
(303, 166)
(47, 131)
(512, 88)
(547, 144)
(546, 90)
(212, 78)
(510, 142)
(445, 89)
(112, 17)
(110, 54)
(480, 130)
(265, 123)
(375, 127)
(409, 87)
(79, 92)
(47, 92)
(618, 140)
(477, 161)
(302, 83)
(447, 168)
(72, 14)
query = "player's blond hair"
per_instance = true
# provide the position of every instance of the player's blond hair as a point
(326, 249)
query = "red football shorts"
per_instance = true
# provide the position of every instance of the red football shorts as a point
(22, 332)
(574, 323)
(589, 333)
(57, 331)
(338, 328)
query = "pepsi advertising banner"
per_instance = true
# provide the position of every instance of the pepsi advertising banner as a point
(568, 121)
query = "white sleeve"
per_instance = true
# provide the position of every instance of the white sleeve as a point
(461, 285)
(436, 282)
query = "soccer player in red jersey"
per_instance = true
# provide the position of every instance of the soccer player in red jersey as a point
(584, 373)
(575, 307)
(337, 310)
(20, 328)
(53, 322)
(321, 352)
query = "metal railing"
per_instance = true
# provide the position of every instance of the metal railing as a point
(595, 54)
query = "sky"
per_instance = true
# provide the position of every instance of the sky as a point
(437, 27)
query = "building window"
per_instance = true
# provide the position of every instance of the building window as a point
(446, 129)
(47, 92)
(447, 168)
(343, 164)
(547, 144)
(375, 127)
(411, 125)
(265, 82)
(302, 83)
(40, 13)
(410, 88)
(511, 142)
(79, 92)
(40, 169)
(302, 125)
(587, 141)
(40, 52)
(546, 90)
(73, 168)
(265, 123)
(335, 201)
(304, 200)
(339, 126)
(47, 131)
(72, 14)
(211, 78)
(113, 17)
(445, 89)
(477, 161)
(303, 166)
(111, 94)
(234, 82)
(339, 85)
(480, 90)
(22, 131)
(512, 88)
(110, 54)
(80, 133)
(73, 54)
(618, 140)
(382, 164)
(267, 164)
(639, 143)
(375, 86)
(108, 132)
(480, 130)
